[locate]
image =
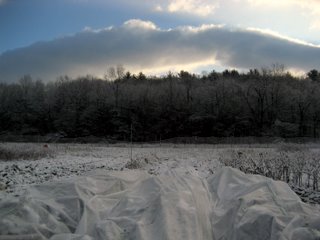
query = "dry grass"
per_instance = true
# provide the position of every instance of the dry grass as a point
(141, 160)
(24, 151)
(293, 164)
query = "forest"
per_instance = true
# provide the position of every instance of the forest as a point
(269, 102)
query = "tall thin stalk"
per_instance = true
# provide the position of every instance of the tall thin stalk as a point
(131, 142)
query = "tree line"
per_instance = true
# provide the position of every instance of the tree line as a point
(266, 102)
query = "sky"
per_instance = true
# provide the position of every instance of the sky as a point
(47, 39)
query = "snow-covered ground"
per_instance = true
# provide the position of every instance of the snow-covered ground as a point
(70, 160)
(77, 159)
(88, 192)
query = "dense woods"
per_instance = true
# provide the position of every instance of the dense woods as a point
(267, 102)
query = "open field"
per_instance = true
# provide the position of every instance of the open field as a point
(69, 160)
(298, 165)
(168, 191)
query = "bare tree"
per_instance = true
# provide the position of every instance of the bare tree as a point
(120, 70)
(111, 74)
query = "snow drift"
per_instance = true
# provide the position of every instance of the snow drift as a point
(173, 205)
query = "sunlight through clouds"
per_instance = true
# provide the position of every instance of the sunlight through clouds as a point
(143, 46)
(281, 36)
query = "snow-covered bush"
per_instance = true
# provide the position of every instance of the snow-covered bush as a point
(313, 170)
(291, 147)
(141, 160)
(291, 163)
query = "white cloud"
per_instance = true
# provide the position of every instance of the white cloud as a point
(198, 7)
(315, 25)
(309, 8)
(158, 8)
(269, 32)
(92, 30)
(142, 46)
(203, 27)
(2, 2)
(137, 23)
(271, 3)
(277, 3)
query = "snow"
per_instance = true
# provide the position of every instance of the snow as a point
(77, 159)
(158, 192)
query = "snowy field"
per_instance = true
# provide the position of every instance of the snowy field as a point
(64, 161)
(83, 192)
(69, 160)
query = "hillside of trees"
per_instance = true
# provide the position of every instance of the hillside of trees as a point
(267, 102)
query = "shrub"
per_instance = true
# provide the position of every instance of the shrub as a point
(291, 163)
(141, 160)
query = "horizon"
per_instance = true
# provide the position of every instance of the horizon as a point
(273, 70)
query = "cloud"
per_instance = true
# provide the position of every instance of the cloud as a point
(158, 8)
(309, 8)
(315, 26)
(275, 34)
(201, 8)
(139, 24)
(142, 46)
(2, 2)
(198, 7)
(276, 3)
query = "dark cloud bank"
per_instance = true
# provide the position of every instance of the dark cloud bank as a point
(140, 45)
